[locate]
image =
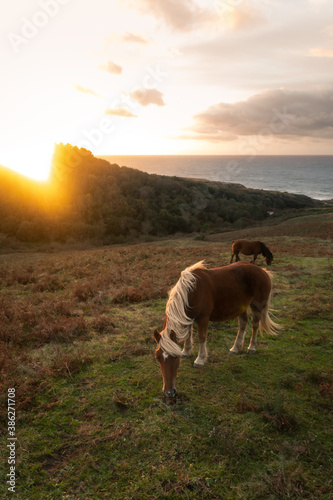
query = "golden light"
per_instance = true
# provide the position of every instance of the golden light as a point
(31, 160)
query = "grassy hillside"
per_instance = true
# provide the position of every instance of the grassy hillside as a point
(76, 333)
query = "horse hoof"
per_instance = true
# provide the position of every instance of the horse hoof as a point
(170, 401)
(233, 352)
(251, 351)
(196, 365)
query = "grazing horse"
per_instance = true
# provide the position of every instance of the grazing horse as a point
(251, 248)
(202, 295)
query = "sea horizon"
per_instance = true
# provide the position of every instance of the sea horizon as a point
(309, 175)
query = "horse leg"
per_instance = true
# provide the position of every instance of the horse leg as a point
(202, 335)
(237, 256)
(238, 345)
(254, 258)
(186, 352)
(255, 324)
(232, 258)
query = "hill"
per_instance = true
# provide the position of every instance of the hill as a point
(89, 198)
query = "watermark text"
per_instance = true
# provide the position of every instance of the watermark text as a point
(11, 440)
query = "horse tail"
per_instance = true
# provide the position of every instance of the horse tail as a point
(266, 323)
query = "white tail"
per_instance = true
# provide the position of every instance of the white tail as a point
(266, 323)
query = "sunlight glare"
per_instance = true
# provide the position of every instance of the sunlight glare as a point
(32, 161)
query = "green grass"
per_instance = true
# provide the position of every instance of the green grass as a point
(91, 420)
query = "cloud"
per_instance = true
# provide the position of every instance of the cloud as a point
(121, 111)
(131, 38)
(112, 68)
(145, 97)
(85, 90)
(182, 15)
(240, 16)
(284, 113)
(321, 52)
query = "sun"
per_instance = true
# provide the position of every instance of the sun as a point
(30, 160)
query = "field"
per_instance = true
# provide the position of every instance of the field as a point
(76, 340)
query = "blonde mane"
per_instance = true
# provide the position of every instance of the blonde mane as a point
(177, 319)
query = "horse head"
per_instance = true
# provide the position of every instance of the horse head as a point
(269, 258)
(267, 254)
(169, 365)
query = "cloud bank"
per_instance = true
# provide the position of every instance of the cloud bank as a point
(240, 15)
(183, 15)
(284, 113)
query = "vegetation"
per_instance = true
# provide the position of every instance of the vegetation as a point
(89, 199)
(76, 335)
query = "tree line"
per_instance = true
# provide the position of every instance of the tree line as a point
(90, 198)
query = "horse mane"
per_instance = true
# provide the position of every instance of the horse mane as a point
(176, 318)
(265, 251)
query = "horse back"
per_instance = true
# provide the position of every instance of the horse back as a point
(224, 293)
(246, 247)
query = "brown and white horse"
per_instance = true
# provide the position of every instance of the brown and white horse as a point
(202, 295)
(251, 248)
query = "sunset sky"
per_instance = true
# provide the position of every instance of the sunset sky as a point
(165, 77)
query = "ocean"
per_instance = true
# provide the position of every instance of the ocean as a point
(308, 175)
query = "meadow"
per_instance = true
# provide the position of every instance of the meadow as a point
(76, 339)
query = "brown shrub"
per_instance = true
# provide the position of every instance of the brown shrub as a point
(128, 294)
(60, 329)
(102, 324)
(62, 308)
(9, 325)
(280, 421)
(84, 292)
(20, 276)
(68, 364)
(6, 359)
(48, 284)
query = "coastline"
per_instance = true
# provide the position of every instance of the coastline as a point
(311, 176)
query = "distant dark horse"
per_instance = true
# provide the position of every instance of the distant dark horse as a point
(202, 295)
(251, 248)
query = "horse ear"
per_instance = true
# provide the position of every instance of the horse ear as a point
(173, 336)
(157, 336)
